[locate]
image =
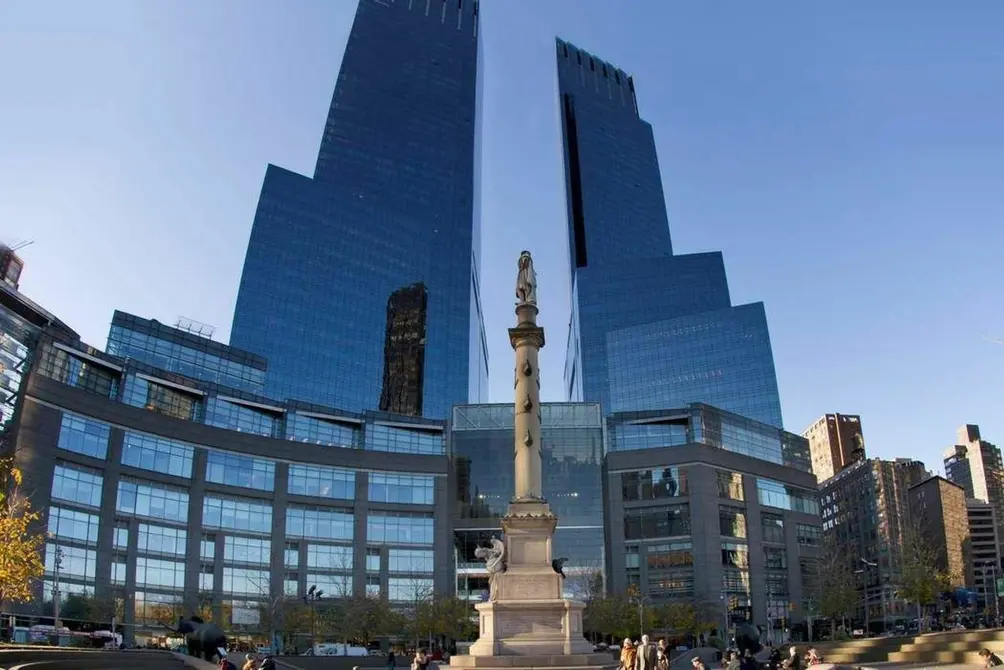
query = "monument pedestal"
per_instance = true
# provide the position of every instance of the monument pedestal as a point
(529, 624)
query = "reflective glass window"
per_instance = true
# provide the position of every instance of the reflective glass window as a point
(730, 485)
(773, 527)
(157, 454)
(118, 575)
(731, 521)
(243, 418)
(161, 398)
(155, 502)
(403, 590)
(78, 372)
(627, 437)
(654, 484)
(74, 562)
(372, 560)
(325, 433)
(158, 573)
(410, 560)
(809, 536)
(401, 488)
(668, 555)
(399, 528)
(247, 550)
(291, 555)
(781, 496)
(403, 440)
(224, 467)
(237, 514)
(121, 537)
(656, 522)
(319, 523)
(329, 557)
(184, 360)
(84, 436)
(67, 524)
(333, 585)
(322, 482)
(162, 540)
(245, 581)
(207, 547)
(76, 485)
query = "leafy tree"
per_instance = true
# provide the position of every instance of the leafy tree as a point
(20, 541)
(167, 614)
(442, 615)
(681, 617)
(838, 595)
(367, 617)
(920, 580)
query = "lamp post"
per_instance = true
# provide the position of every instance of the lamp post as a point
(881, 580)
(57, 564)
(640, 601)
(313, 595)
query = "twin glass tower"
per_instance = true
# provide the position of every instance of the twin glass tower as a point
(361, 284)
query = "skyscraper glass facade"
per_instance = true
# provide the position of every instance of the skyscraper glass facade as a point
(649, 329)
(394, 201)
(572, 463)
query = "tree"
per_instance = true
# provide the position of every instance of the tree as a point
(838, 595)
(20, 542)
(921, 582)
(365, 617)
(167, 614)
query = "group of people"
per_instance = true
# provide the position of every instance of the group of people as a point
(644, 655)
(251, 662)
(648, 656)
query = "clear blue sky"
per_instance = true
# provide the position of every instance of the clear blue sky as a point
(848, 158)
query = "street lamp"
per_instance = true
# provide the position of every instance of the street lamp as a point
(875, 565)
(640, 601)
(313, 595)
(57, 564)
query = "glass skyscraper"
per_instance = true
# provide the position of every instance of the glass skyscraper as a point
(649, 329)
(393, 203)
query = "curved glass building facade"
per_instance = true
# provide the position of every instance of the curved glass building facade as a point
(168, 491)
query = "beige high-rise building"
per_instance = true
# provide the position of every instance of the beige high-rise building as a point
(938, 511)
(984, 559)
(976, 466)
(835, 442)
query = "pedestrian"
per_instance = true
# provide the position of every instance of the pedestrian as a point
(748, 661)
(391, 659)
(421, 661)
(647, 657)
(662, 651)
(698, 663)
(990, 659)
(628, 654)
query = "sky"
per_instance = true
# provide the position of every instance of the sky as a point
(847, 158)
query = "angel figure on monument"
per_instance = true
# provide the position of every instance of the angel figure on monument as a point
(526, 280)
(494, 558)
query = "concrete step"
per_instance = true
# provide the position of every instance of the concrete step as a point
(936, 657)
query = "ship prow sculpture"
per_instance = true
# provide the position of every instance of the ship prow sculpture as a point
(526, 622)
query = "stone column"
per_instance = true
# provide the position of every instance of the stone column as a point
(527, 338)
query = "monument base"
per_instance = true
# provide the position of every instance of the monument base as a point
(555, 662)
(531, 628)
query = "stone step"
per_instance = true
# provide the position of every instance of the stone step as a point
(968, 657)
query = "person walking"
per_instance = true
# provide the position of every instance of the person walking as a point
(662, 651)
(391, 660)
(647, 657)
(628, 654)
